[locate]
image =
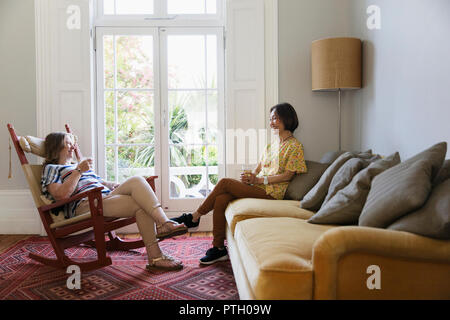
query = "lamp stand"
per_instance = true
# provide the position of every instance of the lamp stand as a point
(339, 107)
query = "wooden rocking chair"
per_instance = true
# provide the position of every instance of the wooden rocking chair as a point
(88, 228)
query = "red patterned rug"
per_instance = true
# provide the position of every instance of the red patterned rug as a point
(126, 279)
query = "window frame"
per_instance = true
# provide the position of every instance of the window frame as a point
(161, 18)
(161, 106)
(100, 90)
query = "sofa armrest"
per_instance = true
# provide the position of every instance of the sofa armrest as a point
(339, 243)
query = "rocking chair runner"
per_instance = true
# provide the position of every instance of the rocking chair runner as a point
(88, 228)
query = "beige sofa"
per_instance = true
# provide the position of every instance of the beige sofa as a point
(276, 254)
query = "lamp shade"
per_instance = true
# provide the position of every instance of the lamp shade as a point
(336, 64)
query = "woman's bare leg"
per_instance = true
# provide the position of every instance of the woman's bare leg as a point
(139, 189)
(123, 206)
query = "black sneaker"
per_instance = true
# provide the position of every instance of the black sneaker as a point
(214, 254)
(186, 218)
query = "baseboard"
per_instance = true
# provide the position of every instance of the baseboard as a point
(18, 214)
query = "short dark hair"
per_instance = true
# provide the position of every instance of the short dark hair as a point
(287, 115)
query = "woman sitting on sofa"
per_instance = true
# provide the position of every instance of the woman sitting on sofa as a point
(62, 178)
(269, 180)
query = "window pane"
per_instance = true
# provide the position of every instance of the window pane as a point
(212, 155)
(108, 6)
(213, 117)
(135, 161)
(186, 7)
(134, 6)
(109, 117)
(135, 117)
(110, 164)
(187, 171)
(108, 62)
(211, 6)
(211, 50)
(187, 117)
(134, 59)
(186, 59)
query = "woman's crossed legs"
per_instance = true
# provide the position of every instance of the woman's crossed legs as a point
(135, 198)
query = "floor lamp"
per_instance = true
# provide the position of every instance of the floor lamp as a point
(336, 65)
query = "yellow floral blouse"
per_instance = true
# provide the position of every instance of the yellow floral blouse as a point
(288, 157)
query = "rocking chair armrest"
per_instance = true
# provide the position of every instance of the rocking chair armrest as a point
(151, 181)
(150, 178)
(62, 202)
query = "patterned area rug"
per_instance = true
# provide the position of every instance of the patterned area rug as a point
(126, 279)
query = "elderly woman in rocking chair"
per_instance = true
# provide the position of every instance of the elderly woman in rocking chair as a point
(61, 178)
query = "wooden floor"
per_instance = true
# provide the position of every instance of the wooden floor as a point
(7, 241)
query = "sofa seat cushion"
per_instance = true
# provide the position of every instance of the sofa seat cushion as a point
(277, 256)
(247, 208)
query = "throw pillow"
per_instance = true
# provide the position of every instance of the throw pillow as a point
(443, 174)
(345, 207)
(344, 176)
(314, 198)
(331, 156)
(402, 188)
(33, 145)
(303, 182)
(433, 219)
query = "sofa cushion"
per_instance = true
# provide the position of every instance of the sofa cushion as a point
(431, 220)
(247, 208)
(402, 188)
(345, 207)
(277, 256)
(303, 182)
(443, 174)
(314, 198)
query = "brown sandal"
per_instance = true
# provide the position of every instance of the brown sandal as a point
(175, 265)
(179, 230)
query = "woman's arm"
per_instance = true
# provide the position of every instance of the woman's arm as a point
(277, 178)
(257, 169)
(65, 190)
(110, 185)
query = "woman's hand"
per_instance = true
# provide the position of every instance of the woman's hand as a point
(110, 185)
(85, 165)
(113, 186)
(248, 178)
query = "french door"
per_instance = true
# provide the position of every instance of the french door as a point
(160, 109)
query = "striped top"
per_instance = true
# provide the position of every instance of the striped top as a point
(57, 173)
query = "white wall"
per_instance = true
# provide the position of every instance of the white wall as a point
(17, 82)
(301, 22)
(405, 102)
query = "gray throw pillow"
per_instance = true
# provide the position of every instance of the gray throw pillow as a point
(345, 175)
(345, 207)
(443, 174)
(314, 198)
(433, 219)
(403, 188)
(303, 182)
(331, 156)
